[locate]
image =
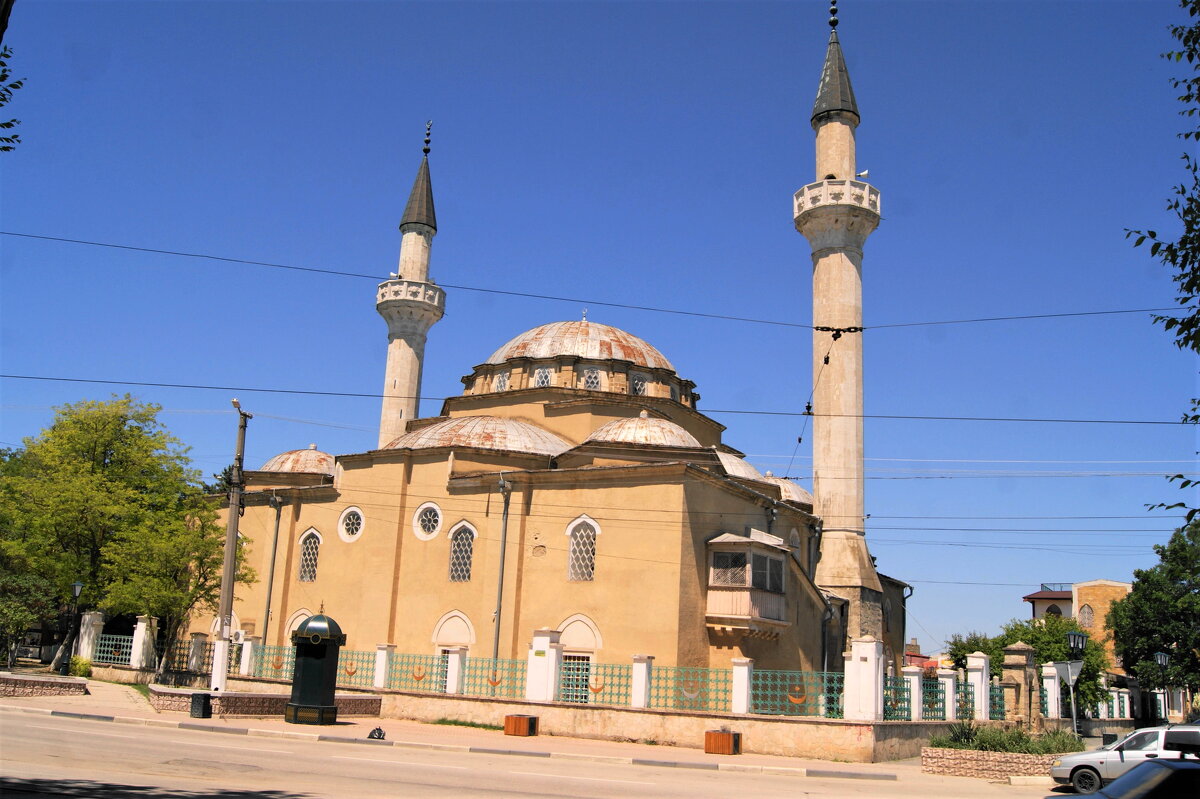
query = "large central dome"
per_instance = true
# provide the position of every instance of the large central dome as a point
(583, 339)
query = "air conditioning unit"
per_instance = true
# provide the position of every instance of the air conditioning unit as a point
(238, 636)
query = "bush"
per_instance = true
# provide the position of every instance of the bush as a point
(1053, 743)
(80, 667)
(965, 735)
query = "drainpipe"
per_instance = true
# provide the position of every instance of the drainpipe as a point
(276, 503)
(506, 492)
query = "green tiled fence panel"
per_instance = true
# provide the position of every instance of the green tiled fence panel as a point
(997, 696)
(897, 704)
(178, 660)
(114, 649)
(933, 699)
(417, 673)
(275, 662)
(684, 688)
(795, 693)
(356, 669)
(487, 677)
(234, 660)
(1111, 706)
(206, 657)
(1121, 707)
(964, 698)
(588, 683)
(1044, 701)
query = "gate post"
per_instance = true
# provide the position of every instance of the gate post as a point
(863, 699)
(249, 644)
(455, 661)
(541, 666)
(91, 625)
(141, 654)
(948, 678)
(916, 701)
(383, 657)
(979, 669)
(639, 689)
(743, 669)
(195, 662)
(1050, 683)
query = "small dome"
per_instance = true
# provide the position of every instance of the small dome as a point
(316, 629)
(483, 432)
(583, 339)
(788, 489)
(311, 460)
(644, 430)
(738, 467)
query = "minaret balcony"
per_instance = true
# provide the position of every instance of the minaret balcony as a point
(837, 192)
(401, 290)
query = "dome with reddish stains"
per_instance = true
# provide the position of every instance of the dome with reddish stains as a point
(788, 489)
(584, 340)
(483, 432)
(643, 429)
(310, 461)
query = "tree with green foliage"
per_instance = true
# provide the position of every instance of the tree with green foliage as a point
(106, 496)
(26, 600)
(8, 141)
(1162, 614)
(959, 646)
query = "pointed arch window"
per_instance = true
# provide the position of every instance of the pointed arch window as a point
(541, 377)
(638, 384)
(310, 551)
(462, 550)
(500, 383)
(581, 559)
(591, 378)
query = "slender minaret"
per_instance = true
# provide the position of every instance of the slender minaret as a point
(836, 214)
(410, 303)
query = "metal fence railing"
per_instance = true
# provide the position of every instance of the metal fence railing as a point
(685, 688)
(933, 700)
(1043, 701)
(113, 649)
(275, 662)
(500, 677)
(897, 701)
(583, 682)
(997, 702)
(177, 655)
(796, 693)
(356, 668)
(964, 701)
(417, 673)
(234, 660)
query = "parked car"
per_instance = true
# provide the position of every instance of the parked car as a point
(1087, 772)
(1156, 779)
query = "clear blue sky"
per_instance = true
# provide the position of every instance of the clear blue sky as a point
(640, 153)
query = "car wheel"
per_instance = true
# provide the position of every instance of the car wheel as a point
(1085, 780)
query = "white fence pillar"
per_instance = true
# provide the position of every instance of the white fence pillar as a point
(913, 676)
(383, 656)
(948, 679)
(541, 666)
(1053, 697)
(249, 644)
(863, 700)
(979, 671)
(456, 657)
(220, 664)
(91, 625)
(743, 669)
(195, 662)
(141, 654)
(639, 689)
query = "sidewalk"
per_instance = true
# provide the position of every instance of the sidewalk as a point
(124, 705)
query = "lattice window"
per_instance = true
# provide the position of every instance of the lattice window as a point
(1086, 616)
(675, 393)
(638, 384)
(729, 568)
(501, 382)
(427, 521)
(462, 546)
(574, 676)
(310, 549)
(581, 563)
(352, 523)
(591, 379)
(541, 377)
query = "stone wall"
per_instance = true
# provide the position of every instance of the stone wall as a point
(241, 703)
(986, 765)
(30, 685)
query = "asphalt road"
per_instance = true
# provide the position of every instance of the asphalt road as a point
(48, 756)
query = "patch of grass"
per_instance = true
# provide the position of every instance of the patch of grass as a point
(476, 724)
(965, 735)
(144, 690)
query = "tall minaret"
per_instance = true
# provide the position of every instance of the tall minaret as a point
(836, 214)
(410, 303)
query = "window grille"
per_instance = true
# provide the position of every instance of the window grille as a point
(1086, 616)
(591, 379)
(310, 548)
(541, 378)
(430, 520)
(462, 545)
(729, 568)
(637, 385)
(501, 382)
(574, 675)
(581, 563)
(352, 523)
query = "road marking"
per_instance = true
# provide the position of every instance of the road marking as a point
(60, 729)
(589, 779)
(399, 762)
(172, 741)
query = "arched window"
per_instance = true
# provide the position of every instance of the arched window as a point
(500, 382)
(541, 377)
(1054, 610)
(581, 558)
(1086, 616)
(591, 378)
(310, 550)
(462, 547)
(638, 383)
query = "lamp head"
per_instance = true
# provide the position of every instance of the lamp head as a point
(236, 404)
(77, 588)
(1161, 658)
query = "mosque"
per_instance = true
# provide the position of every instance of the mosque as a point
(575, 485)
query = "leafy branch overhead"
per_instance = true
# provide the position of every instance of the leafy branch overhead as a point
(8, 141)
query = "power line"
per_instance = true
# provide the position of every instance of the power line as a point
(367, 395)
(576, 300)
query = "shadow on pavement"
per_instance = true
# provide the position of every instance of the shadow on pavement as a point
(14, 787)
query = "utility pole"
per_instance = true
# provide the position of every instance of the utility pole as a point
(506, 492)
(220, 666)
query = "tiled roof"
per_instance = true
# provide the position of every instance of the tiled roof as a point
(483, 432)
(311, 460)
(583, 339)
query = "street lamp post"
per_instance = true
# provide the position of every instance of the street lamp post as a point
(1162, 659)
(64, 666)
(1076, 642)
(220, 665)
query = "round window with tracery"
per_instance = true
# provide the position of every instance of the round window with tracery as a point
(350, 524)
(427, 521)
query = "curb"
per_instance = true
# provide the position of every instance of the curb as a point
(782, 771)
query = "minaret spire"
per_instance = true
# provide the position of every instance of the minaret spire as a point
(410, 303)
(837, 214)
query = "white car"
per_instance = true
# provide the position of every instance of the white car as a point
(1088, 771)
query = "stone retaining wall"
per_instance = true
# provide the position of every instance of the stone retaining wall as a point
(986, 765)
(241, 703)
(36, 685)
